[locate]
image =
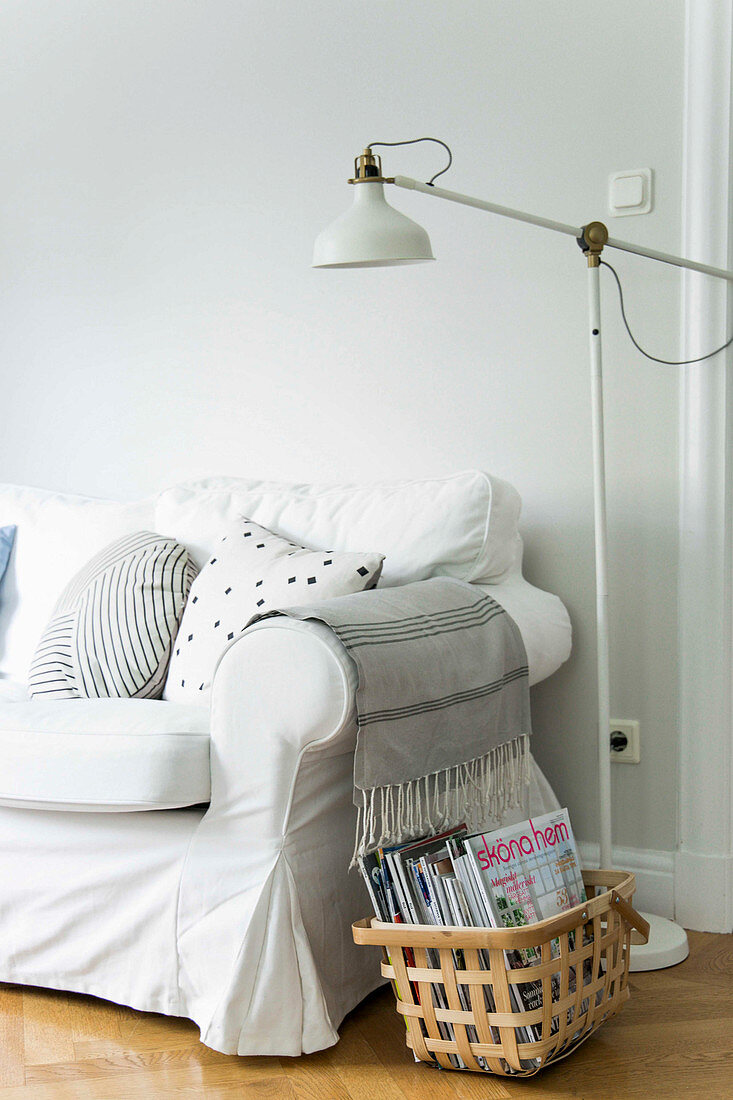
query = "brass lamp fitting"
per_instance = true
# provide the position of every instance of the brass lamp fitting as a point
(592, 238)
(367, 166)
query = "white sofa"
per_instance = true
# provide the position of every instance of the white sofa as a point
(228, 899)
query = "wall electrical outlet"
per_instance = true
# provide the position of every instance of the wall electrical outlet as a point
(625, 742)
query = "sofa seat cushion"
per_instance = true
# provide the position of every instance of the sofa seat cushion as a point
(103, 755)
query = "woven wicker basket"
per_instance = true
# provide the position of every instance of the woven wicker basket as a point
(584, 955)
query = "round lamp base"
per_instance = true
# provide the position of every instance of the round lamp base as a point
(667, 945)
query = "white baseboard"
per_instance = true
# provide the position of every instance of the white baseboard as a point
(655, 874)
(704, 891)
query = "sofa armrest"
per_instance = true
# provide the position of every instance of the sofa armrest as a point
(274, 845)
(282, 688)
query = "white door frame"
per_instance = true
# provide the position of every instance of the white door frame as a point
(704, 861)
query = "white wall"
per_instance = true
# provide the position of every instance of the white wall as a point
(167, 165)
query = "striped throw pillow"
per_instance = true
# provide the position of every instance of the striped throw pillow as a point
(111, 632)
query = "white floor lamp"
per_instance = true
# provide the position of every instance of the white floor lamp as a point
(374, 234)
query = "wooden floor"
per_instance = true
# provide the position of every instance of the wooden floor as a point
(673, 1039)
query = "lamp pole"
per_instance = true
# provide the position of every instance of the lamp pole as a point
(600, 527)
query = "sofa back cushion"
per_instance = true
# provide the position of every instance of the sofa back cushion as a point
(57, 533)
(462, 526)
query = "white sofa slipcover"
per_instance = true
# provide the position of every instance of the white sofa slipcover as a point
(236, 913)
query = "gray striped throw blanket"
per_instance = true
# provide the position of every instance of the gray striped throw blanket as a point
(442, 706)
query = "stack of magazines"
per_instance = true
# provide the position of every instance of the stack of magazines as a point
(504, 879)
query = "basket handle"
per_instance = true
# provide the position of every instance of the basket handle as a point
(630, 915)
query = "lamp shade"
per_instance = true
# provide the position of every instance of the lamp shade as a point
(371, 234)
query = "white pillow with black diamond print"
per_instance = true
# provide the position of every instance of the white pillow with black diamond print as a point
(252, 571)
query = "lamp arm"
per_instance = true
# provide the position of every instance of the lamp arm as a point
(558, 227)
(492, 207)
(666, 258)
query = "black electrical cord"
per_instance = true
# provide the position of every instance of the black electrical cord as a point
(414, 141)
(654, 358)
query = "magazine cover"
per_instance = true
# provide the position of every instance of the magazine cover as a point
(530, 870)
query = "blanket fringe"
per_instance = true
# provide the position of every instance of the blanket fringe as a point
(476, 792)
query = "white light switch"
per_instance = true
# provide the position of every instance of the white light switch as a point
(630, 192)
